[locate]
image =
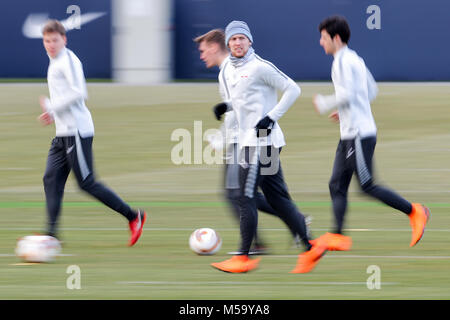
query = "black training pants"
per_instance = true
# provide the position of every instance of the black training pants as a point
(261, 166)
(75, 153)
(355, 156)
(232, 191)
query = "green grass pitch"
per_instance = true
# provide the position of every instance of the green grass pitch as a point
(132, 150)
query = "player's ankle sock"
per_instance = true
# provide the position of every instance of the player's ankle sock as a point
(131, 215)
(410, 210)
(308, 245)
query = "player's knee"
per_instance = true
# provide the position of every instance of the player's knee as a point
(367, 187)
(243, 201)
(232, 194)
(336, 189)
(259, 196)
(333, 186)
(47, 179)
(85, 187)
(87, 184)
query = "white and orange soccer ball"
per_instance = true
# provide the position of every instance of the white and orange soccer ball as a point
(38, 248)
(205, 241)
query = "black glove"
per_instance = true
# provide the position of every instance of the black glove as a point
(264, 124)
(219, 109)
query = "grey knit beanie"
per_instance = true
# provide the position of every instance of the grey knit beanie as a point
(237, 27)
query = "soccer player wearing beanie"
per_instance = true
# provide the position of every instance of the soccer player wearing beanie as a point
(252, 85)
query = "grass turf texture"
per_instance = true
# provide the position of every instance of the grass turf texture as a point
(132, 150)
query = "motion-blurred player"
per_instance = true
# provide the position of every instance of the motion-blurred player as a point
(214, 53)
(355, 88)
(71, 149)
(251, 84)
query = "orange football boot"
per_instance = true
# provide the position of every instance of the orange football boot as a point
(237, 264)
(418, 217)
(309, 259)
(334, 241)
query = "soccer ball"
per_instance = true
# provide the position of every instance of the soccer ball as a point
(38, 248)
(205, 241)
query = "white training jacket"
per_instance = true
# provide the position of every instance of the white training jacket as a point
(252, 89)
(354, 89)
(230, 126)
(67, 88)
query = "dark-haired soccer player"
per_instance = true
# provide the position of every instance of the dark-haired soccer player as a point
(355, 88)
(71, 149)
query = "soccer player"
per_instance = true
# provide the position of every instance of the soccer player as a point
(214, 53)
(71, 149)
(251, 84)
(355, 88)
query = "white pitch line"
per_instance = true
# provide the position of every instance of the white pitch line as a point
(349, 256)
(381, 230)
(433, 170)
(5, 114)
(58, 255)
(247, 283)
(72, 229)
(220, 229)
(339, 256)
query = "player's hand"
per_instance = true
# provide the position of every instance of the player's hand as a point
(219, 109)
(264, 127)
(334, 116)
(45, 118)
